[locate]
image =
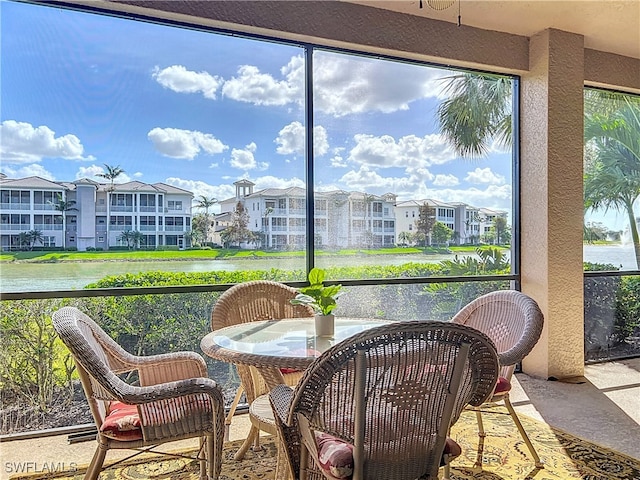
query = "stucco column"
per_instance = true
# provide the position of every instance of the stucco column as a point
(552, 199)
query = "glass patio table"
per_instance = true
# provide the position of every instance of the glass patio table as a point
(267, 347)
(272, 345)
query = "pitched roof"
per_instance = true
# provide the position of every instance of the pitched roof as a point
(31, 182)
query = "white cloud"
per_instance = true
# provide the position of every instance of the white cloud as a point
(366, 180)
(138, 175)
(484, 176)
(291, 140)
(337, 161)
(244, 159)
(91, 172)
(409, 152)
(346, 85)
(343, 85)
(252, 86)
(446, 180)
(198, 188)
(33, 170)
(269, 181)
(495, 197)
(181, 80)
(177, 143)
(24, 143)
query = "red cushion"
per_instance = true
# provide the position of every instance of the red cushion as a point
(311, 352)
(336, 456)
(502, 386)
(452, 449)
(122, 422)
(284, 371)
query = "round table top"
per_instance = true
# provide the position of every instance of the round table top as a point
(287, 343)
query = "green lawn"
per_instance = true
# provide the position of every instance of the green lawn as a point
(207, 254)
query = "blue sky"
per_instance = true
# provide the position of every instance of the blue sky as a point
(200, 111)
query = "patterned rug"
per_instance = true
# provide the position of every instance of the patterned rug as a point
(505, 457)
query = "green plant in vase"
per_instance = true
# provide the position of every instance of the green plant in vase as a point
(320, 297)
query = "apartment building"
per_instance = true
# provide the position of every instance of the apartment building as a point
(470, 225)
(341, 219)
(347, 219)
(85, 214)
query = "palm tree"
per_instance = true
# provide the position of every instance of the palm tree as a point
(63, 207)
(138, 239)
(125, 236)
(33, 237)
(404, 238)
(368, 219)
(612, 174)
(24, 240)
(206, 203)
(111, 174)
(477, 110)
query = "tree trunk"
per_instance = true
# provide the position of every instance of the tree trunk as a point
(633, 228)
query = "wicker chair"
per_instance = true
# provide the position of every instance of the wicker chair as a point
(174, 401)
(514, 322)
(389, 395)
(248, 302)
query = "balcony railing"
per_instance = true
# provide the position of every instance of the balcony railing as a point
(47, 226)
(15, 206)
(12, 227)
(43, 206)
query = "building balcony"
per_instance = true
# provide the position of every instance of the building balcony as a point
(15, 206)
(47, 226)
(43, 206)
(17, 228)
(121, 208)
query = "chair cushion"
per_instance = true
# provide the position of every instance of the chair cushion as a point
(502, 386)
(122, 422)
(284, 371)
(452, 449)
(311, 352)
(336, 456)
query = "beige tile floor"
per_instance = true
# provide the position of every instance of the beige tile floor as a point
(603, 407)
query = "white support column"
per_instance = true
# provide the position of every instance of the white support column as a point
(552, 199)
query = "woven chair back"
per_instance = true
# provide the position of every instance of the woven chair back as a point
(256, 300)
(393, 392)
(511, 319)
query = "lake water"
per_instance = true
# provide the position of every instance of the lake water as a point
(29, 277)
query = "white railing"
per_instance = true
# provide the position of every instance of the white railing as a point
(43, 206)
(121, 208)
(48, 226)
(15, 206)
(15, 227)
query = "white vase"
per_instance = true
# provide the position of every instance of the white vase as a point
(324, 325)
